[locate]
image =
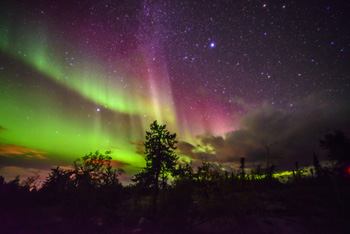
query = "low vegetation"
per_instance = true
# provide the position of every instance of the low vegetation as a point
(89, 197)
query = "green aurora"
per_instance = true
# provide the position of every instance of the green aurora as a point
(35, 117)
(81, 77)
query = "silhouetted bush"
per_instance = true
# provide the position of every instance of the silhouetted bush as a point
(89, 197)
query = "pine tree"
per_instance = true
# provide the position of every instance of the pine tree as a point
(160, 158)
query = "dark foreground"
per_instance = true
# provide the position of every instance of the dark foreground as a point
(304, 205)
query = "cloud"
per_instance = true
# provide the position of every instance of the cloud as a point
(10, 172)
(113, 147)
(3, 128)
(118, 164)
(140, 149)
(186, 148)
(200, 152)
(16, 150)
(293, 135)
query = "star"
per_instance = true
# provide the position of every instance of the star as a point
(133, 63)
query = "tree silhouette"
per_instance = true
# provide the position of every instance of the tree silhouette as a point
(95, 170)
(242, 168)
(338, 146)
(160, 158)
(317, 165)
(184, 172)
(2, 180)
(58, 185)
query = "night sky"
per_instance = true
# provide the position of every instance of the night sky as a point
(229, 77)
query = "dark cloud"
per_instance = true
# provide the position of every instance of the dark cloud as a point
(25, 157)
(21, 151)
(201, 152)
(118, 164)
(292, 135)
(10, 172)
(186, 148)
(140, 149)
(2, 128)
(113, 147)
(139, 143)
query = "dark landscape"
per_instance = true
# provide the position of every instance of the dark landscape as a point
(90, 199)
(174, 116)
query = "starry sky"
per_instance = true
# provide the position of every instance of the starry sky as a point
(229, 77)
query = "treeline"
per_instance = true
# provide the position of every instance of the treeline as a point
(170, 197)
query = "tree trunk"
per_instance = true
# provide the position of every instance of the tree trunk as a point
(156, 188)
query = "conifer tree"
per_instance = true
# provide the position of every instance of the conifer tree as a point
(160, 158)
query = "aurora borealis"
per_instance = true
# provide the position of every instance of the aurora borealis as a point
(227, 76)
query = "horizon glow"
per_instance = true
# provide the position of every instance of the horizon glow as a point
(81, 77)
